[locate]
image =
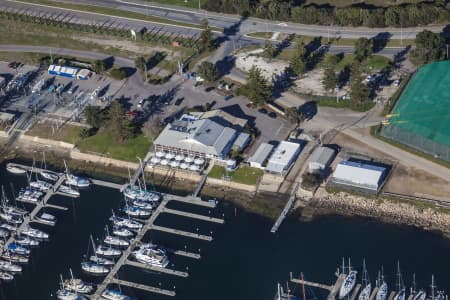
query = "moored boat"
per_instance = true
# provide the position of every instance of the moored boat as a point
(18, 249)
(94, 268)
(68, 191)
(122, 232)
(111, 294)
(107, 251)
(35, 233)
(5, 276)
(116, 241)
(26, 241)
(8, 266)
(46, 218)
(77, 285)
(151, 255)
(348, 284)
(101, 260)
(16, 170)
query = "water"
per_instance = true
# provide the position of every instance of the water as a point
(244, 261)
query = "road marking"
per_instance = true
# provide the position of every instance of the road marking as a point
(105, 15)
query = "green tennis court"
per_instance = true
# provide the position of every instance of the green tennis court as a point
(421, 117)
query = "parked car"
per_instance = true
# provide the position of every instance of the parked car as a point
(272, 115)
(262, 111)
(141, 103)
(397, 82)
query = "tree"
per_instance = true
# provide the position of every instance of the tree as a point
(118, 123)
(93, 115)
(206, 39)
(269, 49)
(118, 74)
(98, 66)
(257, 90)
(363, 48)
(429, 47)
(298, 61)
(294, 116)
(140, 63)
(359, 93)
(330, 79)
(208, 71)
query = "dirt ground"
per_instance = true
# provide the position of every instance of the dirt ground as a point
(245, 60)
(403, 179)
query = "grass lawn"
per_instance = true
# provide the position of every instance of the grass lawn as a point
(184, 3)
(103, 143)
(373, 63)
(111, 12)
(262, 35)
(244, 175)
(67, 133)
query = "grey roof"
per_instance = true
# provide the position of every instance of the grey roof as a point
(322, 155)
(261, 153)
(202, 135)
(241, 140)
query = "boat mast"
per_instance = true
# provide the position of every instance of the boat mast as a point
(93, 247)
(141, 165)
(413, 287)
(365, 279)
(43, 160)
(343, 265)
(62, 281)
(398, 277)
(303, 287)
(433, 287)
(71, 273)
(349, 266)
(65, 166)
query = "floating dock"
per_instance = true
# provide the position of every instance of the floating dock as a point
(332, 289)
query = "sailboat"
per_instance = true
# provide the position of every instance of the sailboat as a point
(122, 232)
(281, 295)
(77, 285)
(10, 209)
(65, 294)
(114, 240)
(367, 287)
(401, 292)
(73, 180)
(94, 268)
(46, 174)
(349, 282)
(421, 294)
(5, 276)
(439, 295)
(112, 294)
(125, 222)
(383, 287)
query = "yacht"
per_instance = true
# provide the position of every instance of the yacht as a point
(17, 249)
(107, 251)
(115, 241)
(10, 267)
(68, 190)
(35, 233)
(5, 276)
(46, 218)
(111, 294)
(151, 255)
(15, 169)
(126, 222)
(122, 232)
(348, 284)
(134, 211)
(6, 255)
(101, 260)
(26, 241)
(94, 268)
(77, 285)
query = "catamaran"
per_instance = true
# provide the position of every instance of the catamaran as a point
(7, 266)
(111, 294)
(367, 288)
(77, 285)
(348, 284)
(73, 180)
(151, 255)
(383, 288)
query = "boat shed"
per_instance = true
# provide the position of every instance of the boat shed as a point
(282, 158)
(320, 159)
(259, 158)
(359, 176)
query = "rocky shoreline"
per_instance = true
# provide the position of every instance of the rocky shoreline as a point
(387, 210)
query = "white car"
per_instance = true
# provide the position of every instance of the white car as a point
(397, 82)
(141, 103)
(282, 24)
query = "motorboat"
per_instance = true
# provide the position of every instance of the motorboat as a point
(16, 258)
(46, 218)
(421, 295)
(65, 294)
(5, 276)
(111, 294)
(10, 218)
(16, 170)
(49, 175)
(9, 227)
(134, 211)
(41, 185)
(116, 241)
(149, 254)
(18, 249)
(101, 260)
(382, 292)
(10, 267)
(26, 241)
(125, 222)
(122, 232)
(35, 233)
(348, 284)
(94, 268)
(68, 191)
(107, 251)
